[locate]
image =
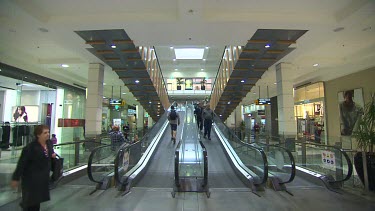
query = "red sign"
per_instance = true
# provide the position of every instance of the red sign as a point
(71, 123)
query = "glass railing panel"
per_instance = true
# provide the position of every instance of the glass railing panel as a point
(280, 162)
(251, 156)
(101, 163)
(128, 156)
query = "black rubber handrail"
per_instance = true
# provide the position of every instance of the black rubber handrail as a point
(122, 149)
(89, 164)
(119, 154)
(292, 162)
(205, 163)
(177, 164)
(77, 142)
(350, 165)
(261, 151)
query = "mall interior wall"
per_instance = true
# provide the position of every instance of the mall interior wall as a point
(364, 79)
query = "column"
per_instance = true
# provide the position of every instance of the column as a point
(94, 100)
(140, 116)
(238, 116)
(150, 122)
(268, 119)
(285, 100)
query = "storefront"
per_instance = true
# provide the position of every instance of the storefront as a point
(309, 112)
(255, 115)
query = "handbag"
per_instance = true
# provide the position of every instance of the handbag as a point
(57, 168)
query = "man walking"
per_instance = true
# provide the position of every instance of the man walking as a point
(208, 116)
(174, 120)
(198, 116)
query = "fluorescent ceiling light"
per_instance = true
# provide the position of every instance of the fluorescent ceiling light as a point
(189, 53)
(64, 65)
(315, 65)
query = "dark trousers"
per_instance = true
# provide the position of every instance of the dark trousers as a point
(32, 208)
(207, 127)
(200, 123)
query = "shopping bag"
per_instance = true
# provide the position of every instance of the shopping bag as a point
(57, 168)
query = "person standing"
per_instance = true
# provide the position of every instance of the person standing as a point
(33, 170)
(117, 138)
(198, 116)
(174, 120)
(54, 139)
(208, 116)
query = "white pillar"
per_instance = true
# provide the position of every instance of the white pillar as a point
(140, 117)
(239, 115)
(285, 100)
(94, 100)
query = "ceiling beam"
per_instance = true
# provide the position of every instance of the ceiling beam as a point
(122, 41)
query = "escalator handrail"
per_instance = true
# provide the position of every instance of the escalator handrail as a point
(122, 148)
(292, 162)
(77, 142)
(89, 164)
(261, 151)
(177, 164)
(205, 163)
(343, 152)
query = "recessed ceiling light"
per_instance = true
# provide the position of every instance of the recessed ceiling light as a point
(124, 93)
(104, 84)
(242, 81)
(136, 81)
(202, 69)
(239, 47)
(149, 102)
(204, 59)
(0, 70)
(267, 46)
(171, 47)
(316, 64)
(189, 53)
(113, 46)
(64, 65)
(176, 69)
(221, 115)
(275, 83)
(104, 97)
(174, 60)
(207, 47)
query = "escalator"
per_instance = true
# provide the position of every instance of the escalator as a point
(317, 164)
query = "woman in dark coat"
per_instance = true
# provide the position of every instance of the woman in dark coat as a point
(33, 170)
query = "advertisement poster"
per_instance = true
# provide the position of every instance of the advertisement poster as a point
(22, 114)
(328, 160)
(117, 122)
(351, 108)
(188, 84)
(125, 160)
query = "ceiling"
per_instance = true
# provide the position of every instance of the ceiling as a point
(39, 36)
